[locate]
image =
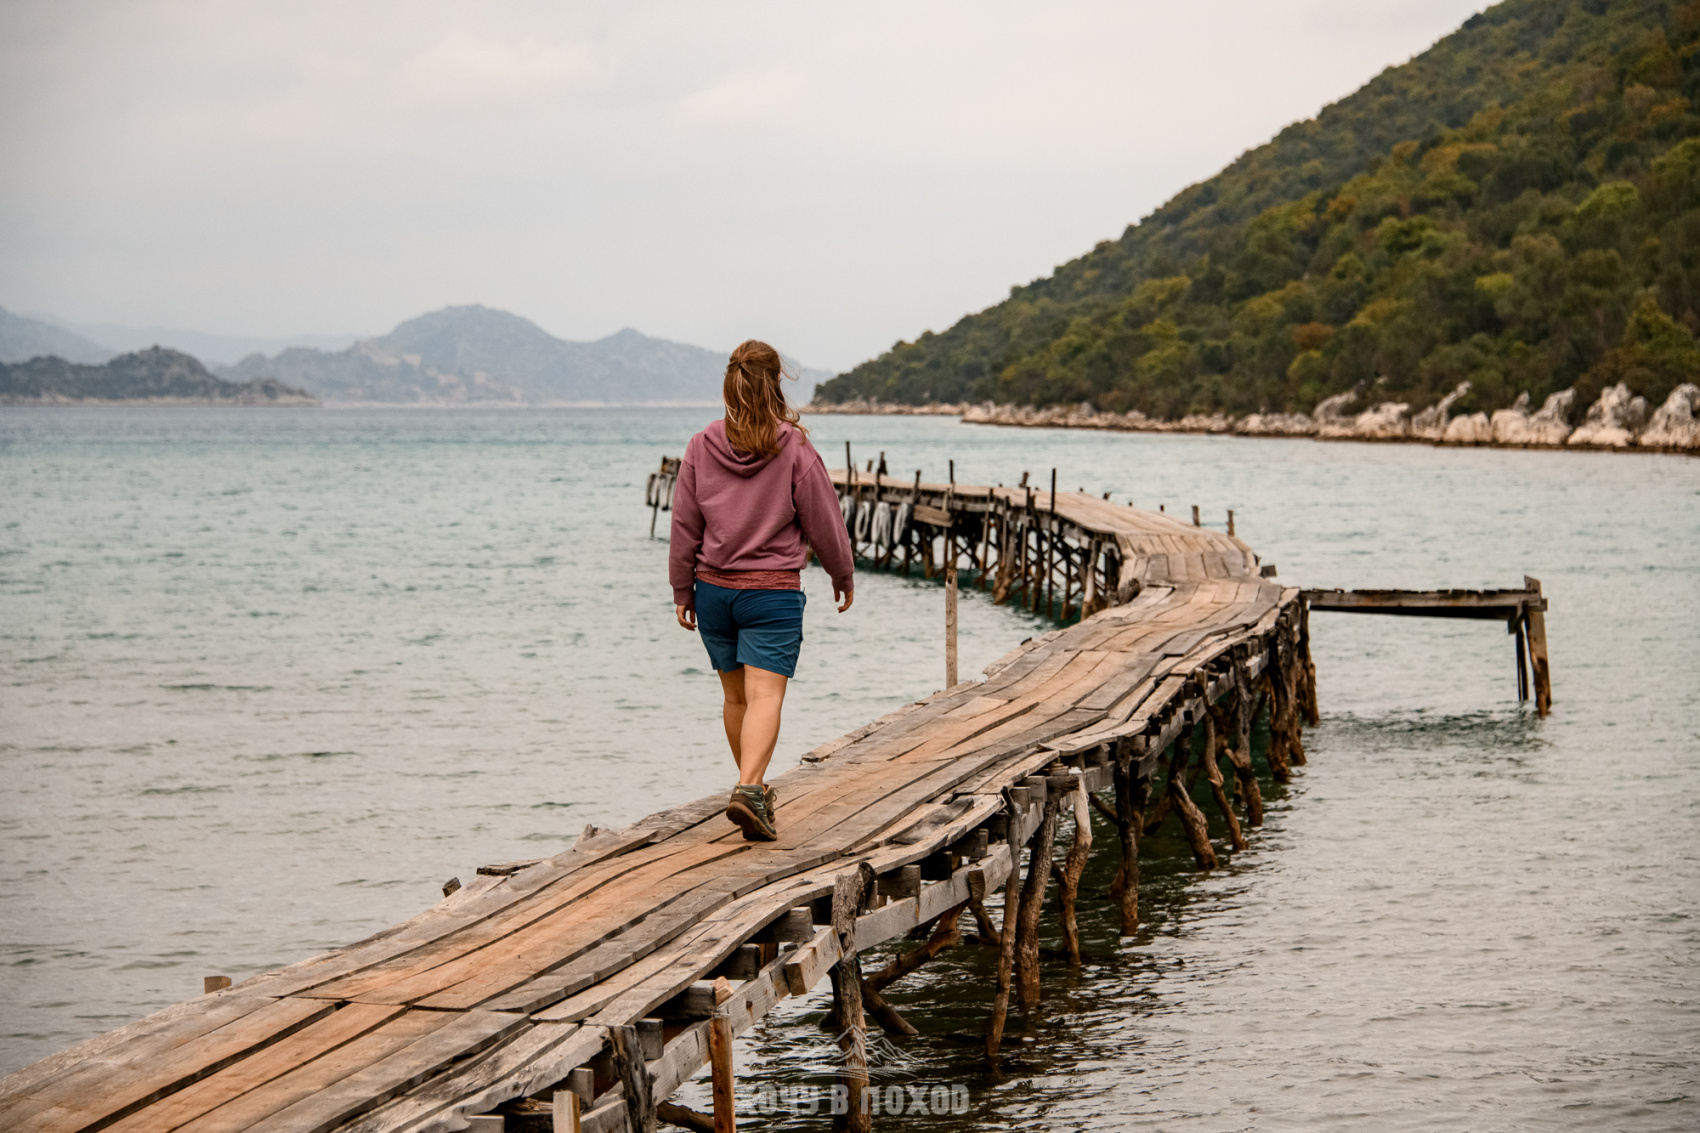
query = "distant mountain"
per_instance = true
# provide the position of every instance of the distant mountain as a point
(476, 355)
(146, 377)
(213, 349)
(23, 338)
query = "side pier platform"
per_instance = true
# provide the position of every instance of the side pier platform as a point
(578, 992)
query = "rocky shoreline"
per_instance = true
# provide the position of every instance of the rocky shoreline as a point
(1617, 421)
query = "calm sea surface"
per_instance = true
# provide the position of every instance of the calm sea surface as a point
(268, 678)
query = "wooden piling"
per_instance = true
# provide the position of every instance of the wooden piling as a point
(1536, 621)
(1032, 904)
(1218, 790)
(639, 1089)
(720, 1060)
(1130, 819)
(1007, 933)
(850, 893)
(1073, 866)
(1197, 829)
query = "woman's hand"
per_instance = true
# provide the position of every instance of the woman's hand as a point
(843, 598)
(687, 617)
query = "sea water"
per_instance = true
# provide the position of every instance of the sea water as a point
(270, 677)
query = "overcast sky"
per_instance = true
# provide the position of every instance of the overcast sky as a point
(831, 177)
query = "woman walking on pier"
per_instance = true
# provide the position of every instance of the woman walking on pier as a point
(751, 492)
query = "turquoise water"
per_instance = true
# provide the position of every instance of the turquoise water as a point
(270, 677)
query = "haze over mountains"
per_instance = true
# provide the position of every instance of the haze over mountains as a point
(474, 354)
(470, 355)
(23, 338)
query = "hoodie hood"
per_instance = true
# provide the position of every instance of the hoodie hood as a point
(743, 464)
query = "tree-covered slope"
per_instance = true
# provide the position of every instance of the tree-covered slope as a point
(1519, 207)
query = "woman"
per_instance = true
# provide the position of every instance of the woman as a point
(751, 493)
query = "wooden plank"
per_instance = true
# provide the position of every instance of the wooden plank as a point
(123, 1079)
(532, 1060)
(159, 1032)
(1486, 604)
(310, 1042)
(363, 1075)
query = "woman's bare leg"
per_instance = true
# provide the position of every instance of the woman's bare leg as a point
(763, 698)
(732, 712)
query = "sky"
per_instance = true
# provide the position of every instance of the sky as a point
(830, 177)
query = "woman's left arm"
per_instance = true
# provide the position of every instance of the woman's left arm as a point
(816, 501)
(685, 540)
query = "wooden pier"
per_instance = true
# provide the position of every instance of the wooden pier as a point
(578, 992)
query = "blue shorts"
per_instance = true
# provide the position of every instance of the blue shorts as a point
(763, 628)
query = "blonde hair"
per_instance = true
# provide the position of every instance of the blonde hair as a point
(755, 402)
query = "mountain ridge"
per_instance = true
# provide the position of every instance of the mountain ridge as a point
(477, 355)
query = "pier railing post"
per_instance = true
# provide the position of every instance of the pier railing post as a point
(949, 596)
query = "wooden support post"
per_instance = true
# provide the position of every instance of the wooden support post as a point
(1197, 829)
(1195, 522)
(1073, 867)
(1309, 710)
(951, 599)
(1230, 521)
(634, 1076)
(1130, 819)
(1050, 551)
(988, 932)
(850, 893)
(1516, 629)
(1006, 935)
(1218, 789)
(1239, 755)
(1537, 630)
(565, 1109)
(1032, 904)
(720, 1056)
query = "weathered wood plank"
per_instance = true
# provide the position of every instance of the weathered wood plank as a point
(125, 1078)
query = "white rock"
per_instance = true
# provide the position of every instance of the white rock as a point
(1674, 425)
(1551, 423)
(1510, 426)
(1468, 429)
(1388, 421)
(1613, 420)
(1430, 424)
(1332, 418)
(1276, 425)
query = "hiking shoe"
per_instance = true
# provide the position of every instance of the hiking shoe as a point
(750, 811)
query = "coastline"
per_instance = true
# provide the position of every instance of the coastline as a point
(56, 402)
(1617, 422)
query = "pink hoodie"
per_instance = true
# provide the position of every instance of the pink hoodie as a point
(734, 511)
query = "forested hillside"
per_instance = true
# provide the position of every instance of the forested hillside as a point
(1518, 207)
